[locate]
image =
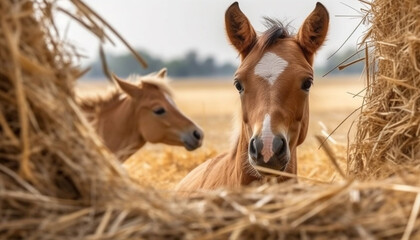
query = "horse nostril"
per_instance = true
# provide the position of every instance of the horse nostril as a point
(253, 149)
(279, 145)
(197, 134)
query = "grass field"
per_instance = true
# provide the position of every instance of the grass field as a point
(212, 103)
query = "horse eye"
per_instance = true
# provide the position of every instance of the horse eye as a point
(306, 85)
(238, 86)
(159, 111)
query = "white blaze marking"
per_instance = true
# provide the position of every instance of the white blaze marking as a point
(170, 100)
(270, 67)
(267, 138)
(122, 96)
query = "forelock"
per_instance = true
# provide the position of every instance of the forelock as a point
(275, 30)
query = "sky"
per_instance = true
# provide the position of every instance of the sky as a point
(170, 28)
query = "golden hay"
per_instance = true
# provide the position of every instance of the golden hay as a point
(58, 182)
(388, 132)
(162, 167)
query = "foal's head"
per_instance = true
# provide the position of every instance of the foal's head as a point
(273, 81)
(156, 118)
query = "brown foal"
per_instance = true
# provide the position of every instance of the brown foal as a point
(140, 113)
(273, 82)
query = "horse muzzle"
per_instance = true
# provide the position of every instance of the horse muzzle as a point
(270, 153)
(192, 139)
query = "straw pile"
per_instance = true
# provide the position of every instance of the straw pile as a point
(50, 162)
(388, 133)
(58, 182)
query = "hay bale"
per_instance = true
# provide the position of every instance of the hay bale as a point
(57, 181)
(51, 163)
(388, 131)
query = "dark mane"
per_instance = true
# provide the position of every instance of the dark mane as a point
(275, 30)
(92, 103)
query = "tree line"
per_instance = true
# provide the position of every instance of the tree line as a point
(191, 65)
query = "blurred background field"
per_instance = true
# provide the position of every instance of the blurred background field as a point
(213, 103)
(201, 73)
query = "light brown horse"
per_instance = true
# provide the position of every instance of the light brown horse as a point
(273, 82)
(140, 113)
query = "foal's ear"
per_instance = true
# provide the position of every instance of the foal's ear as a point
(129, 88)
(313, 31)
(239, 30)
(162, 73)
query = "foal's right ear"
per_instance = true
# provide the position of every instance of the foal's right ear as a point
(162, 73)
(129, 88)
(239, 30)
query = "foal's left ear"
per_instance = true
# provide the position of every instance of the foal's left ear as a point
(129, 88)
(313, 31)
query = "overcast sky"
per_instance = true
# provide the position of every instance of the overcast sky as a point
(169, 28)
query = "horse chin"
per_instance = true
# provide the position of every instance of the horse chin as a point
(262, 174)
(191, 146)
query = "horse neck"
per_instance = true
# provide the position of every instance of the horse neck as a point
(116, 122)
